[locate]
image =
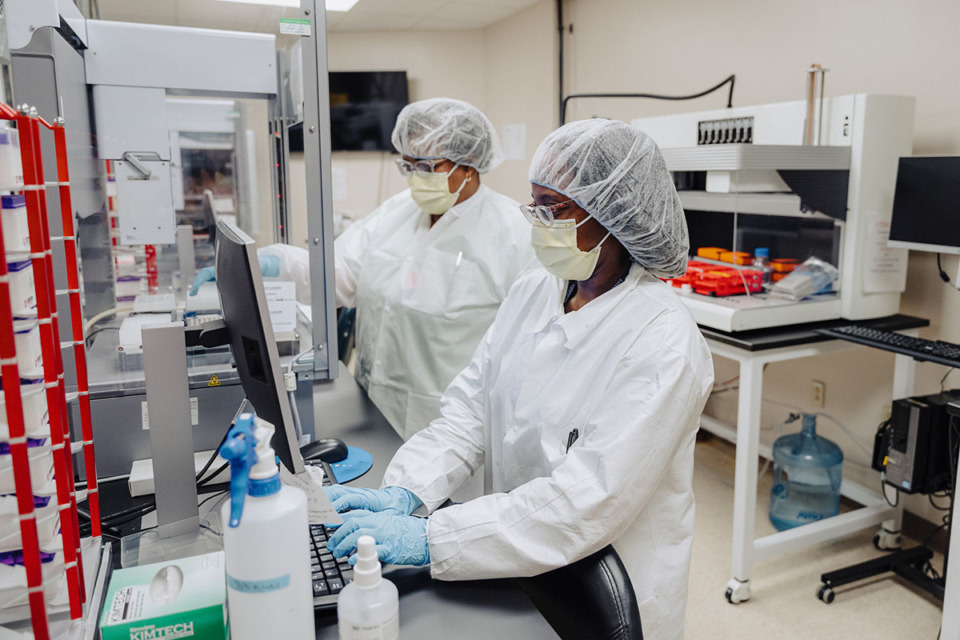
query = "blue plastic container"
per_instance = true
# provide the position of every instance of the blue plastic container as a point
(806, 477)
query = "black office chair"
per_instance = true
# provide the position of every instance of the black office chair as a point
(591, 599)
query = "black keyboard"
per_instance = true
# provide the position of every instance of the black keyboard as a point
(931, 350)
(330, 575)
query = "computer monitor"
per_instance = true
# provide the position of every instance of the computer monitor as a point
(252, 342)
(926, 205)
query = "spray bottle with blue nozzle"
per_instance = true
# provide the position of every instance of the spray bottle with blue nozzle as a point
(265, 541)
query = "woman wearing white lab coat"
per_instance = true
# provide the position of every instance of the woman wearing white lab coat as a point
(581, 404)
(429, 268)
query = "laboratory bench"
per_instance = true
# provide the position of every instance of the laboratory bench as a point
(752, 350)
(428, 608)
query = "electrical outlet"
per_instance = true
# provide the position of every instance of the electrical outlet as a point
(819, 396)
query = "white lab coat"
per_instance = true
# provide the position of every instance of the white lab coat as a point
(631, 373)
(426, 295)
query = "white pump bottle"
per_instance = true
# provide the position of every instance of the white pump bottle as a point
(368, 607)
(265, 542)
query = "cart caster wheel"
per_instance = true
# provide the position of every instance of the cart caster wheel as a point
(737, 591)
(887, 540)
(826, 594)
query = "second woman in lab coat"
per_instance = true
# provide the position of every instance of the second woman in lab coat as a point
(429, 268)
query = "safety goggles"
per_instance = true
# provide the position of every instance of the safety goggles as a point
(542, 214)
(408, 168)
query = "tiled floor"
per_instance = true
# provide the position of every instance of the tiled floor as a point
(784, 605)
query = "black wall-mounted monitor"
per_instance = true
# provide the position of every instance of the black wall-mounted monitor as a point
(926, 205)
(364, 107)
(363, 110)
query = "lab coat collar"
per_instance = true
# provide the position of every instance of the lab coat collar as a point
(453, 214)
(578, 324)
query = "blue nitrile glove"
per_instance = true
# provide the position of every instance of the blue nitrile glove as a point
(395, 500)
(400, 539)
(206, 274)
(269, 266)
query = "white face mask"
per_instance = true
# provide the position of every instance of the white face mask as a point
(556, 248)
(431, 191)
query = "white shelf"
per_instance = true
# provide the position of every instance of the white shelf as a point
(759, 311)
(771, 204)
(737, 157)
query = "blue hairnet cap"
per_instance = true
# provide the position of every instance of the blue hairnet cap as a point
(617, 174)
(447, 128)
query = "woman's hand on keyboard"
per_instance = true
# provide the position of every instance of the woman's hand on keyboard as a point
(394, 500)
(400, 539)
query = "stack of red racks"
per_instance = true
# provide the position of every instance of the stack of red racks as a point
(716, 280)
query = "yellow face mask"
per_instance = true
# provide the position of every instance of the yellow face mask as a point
(431, 191)
(556, 249)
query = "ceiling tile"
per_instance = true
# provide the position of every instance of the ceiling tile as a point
(373, 22)
(366, 15)
(465, 16)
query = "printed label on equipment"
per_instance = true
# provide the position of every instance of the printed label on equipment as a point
(194, 413)
(389, 630)
(259, 586)
(294, 27)
(153, 632)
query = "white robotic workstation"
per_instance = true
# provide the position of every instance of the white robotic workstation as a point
(170, 131)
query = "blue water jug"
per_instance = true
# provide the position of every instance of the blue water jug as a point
(806, 477)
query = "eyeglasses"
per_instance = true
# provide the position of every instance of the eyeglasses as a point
(542, 214)
(408, 168)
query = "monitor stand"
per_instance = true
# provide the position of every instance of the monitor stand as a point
(178, 533)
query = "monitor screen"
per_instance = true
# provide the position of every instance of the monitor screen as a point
(364, 107)
(252, 342)
(926, 205)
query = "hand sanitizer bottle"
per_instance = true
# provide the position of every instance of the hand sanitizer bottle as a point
(265, 542)
(368, 607)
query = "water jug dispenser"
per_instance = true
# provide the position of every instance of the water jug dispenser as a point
(806, 477)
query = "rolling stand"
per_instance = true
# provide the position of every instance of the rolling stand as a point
(910, 564)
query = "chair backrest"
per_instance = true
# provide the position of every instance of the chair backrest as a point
(591, 599)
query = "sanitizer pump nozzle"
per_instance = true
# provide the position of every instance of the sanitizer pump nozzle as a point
(247, 448)
(266, 542)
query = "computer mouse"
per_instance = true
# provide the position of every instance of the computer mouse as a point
(328, 450)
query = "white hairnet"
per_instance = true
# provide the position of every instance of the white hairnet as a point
(447, 128)
(617, 174)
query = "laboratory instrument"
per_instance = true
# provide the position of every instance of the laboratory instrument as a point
(264, 541)
(829, 200)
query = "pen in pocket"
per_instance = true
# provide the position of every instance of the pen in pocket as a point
(572, 438)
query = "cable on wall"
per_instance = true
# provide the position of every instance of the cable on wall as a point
(563, 104)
